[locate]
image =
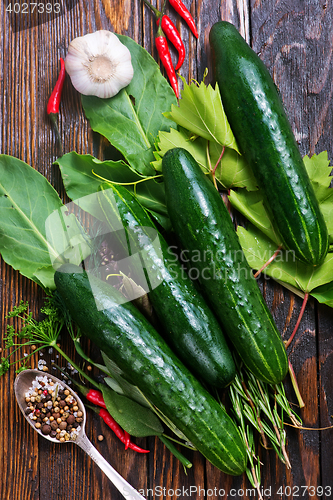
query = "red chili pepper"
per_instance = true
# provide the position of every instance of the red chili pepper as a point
(164, 54)
(173, 35)
(54, 101)
(110, 421)
(185, 14)
(96, 397)
(127, 440)
(136, 448)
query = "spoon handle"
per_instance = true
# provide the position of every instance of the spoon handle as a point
(119, 482)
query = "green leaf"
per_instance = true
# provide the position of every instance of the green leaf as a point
(29, 242)
(285, 268)
(203, 130)
(137, 420)
(134, 392)
(83, 174)
(319, 170)
(324, 294)
(44, 277)
(182, 138)
(260, 244)
(131, 119)
(127, 388)
(250, 204)
(201, 112)
(232, 172)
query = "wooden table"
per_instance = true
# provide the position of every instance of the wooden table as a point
(295, 41)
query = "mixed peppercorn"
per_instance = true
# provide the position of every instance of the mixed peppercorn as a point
(53, 410)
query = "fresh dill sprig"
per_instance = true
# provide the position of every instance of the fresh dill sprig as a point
(40, 334)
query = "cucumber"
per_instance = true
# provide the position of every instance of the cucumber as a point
(204, 227)
(259, 122)
(188, 323)
(128, 339)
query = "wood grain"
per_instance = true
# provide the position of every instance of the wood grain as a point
(295, 41)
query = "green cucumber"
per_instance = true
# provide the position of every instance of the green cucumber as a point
(128, 339)
(188, 323)
(262, 130)
(204, 227)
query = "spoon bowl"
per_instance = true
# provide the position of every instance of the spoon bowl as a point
(23, 383)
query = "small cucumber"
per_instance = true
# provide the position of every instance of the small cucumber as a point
(128, 339)
(259, 122)
(204, 227)
(188, 323)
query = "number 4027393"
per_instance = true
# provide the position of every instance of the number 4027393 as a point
(304, 491)
(32, 7)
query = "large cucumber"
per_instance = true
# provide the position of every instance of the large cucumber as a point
(205, 229)
(259, 122)
(188, 323)
(125, 335)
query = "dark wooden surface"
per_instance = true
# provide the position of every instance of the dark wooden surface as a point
(294, 38)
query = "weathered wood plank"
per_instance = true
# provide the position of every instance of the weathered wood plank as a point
(280, 33)
(325, 362)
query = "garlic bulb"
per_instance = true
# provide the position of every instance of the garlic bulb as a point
(99, 64)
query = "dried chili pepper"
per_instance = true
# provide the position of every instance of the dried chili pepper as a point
(171, 32)
(185, 14)
(54, 100)
(164, 54)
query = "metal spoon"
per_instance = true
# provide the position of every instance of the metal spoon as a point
(23, 383)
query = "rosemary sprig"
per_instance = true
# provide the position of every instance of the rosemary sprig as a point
(253, 469)
(263, 407)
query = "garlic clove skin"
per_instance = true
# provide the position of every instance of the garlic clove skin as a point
(99, 64)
